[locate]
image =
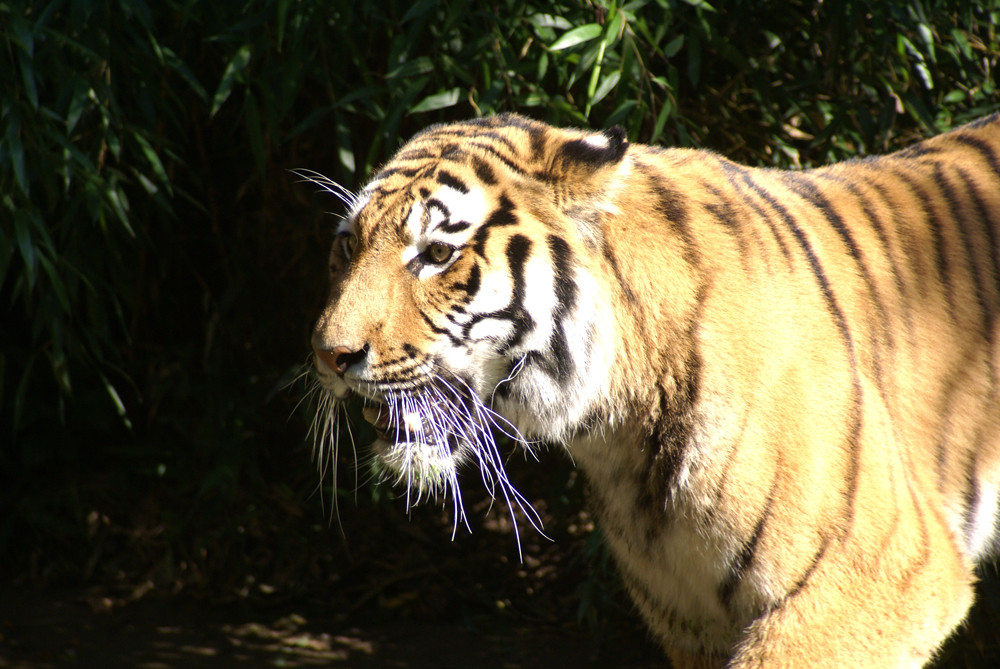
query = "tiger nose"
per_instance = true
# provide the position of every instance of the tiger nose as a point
(339, 358)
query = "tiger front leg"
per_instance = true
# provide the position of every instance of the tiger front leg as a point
(846, 616)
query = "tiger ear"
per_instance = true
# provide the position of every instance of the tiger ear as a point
(596, 150)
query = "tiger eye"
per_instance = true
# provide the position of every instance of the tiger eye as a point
(348, 242)
(438, 253)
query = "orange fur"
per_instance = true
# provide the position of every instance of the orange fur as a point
(791, 420)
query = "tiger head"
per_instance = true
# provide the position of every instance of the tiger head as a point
(464, 300)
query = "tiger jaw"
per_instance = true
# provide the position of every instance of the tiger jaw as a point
(407, 447)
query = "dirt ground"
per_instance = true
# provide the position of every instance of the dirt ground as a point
(59, 628)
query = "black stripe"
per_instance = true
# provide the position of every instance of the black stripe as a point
(972, 498)
(987, 218)
(455, 341)
(451, 228)
(435, 203)
(513, 164)
(958, 216)
(501, 216)
(927, 207)
(841, 323)
(920, 150)
(808, 190)
(988, 152)
(814, 264)
(536, 133)
(671, 207)
(727, 589)
(723, 210)
(484, 171)
(738, 178)
(989, 224)
(470, 286)
(393, 170)
(873, 216)
(593, 155)
(566, 295)
(517, 252)
(448, 179)
(413, 155)
(810, 570)
(627, 290)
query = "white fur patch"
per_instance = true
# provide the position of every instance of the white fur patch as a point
(983, 520)
(494, 292)
(598, 141)
(539, 301)
(470, 207)
(543, 407)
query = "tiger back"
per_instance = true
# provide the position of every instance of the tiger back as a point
(782, 386)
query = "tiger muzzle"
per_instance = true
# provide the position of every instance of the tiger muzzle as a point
(339, 358)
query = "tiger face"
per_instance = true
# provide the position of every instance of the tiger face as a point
(459, 309)
(783, 387)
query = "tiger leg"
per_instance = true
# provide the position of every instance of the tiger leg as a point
(892, 620)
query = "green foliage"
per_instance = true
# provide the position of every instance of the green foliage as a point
(160, 267)
(109, 107)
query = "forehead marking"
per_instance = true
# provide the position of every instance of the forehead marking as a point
(446, 216)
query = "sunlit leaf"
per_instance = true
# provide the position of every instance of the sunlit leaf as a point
(606, 86)
(661, 120)
(438, 101)
(411, 68)
(117, 401)
(700, 4)
(154, 160)
(549, 21)
(576, 36)
(237, 64)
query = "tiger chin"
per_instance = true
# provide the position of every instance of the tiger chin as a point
(783, 386)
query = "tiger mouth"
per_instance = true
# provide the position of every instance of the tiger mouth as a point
(410, 452)
(409, 426)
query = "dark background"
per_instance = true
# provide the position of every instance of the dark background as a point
(160, 269)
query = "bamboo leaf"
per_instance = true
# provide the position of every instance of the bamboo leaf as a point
(607, 85)
(256, 135)
(412, 68)
(234, 70)
(674, 46)
(154, 160)
(576, 36)
(25, 244)
(440, 100)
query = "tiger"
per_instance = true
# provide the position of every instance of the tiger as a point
(782, 386)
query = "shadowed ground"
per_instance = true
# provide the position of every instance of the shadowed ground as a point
(53, 628)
